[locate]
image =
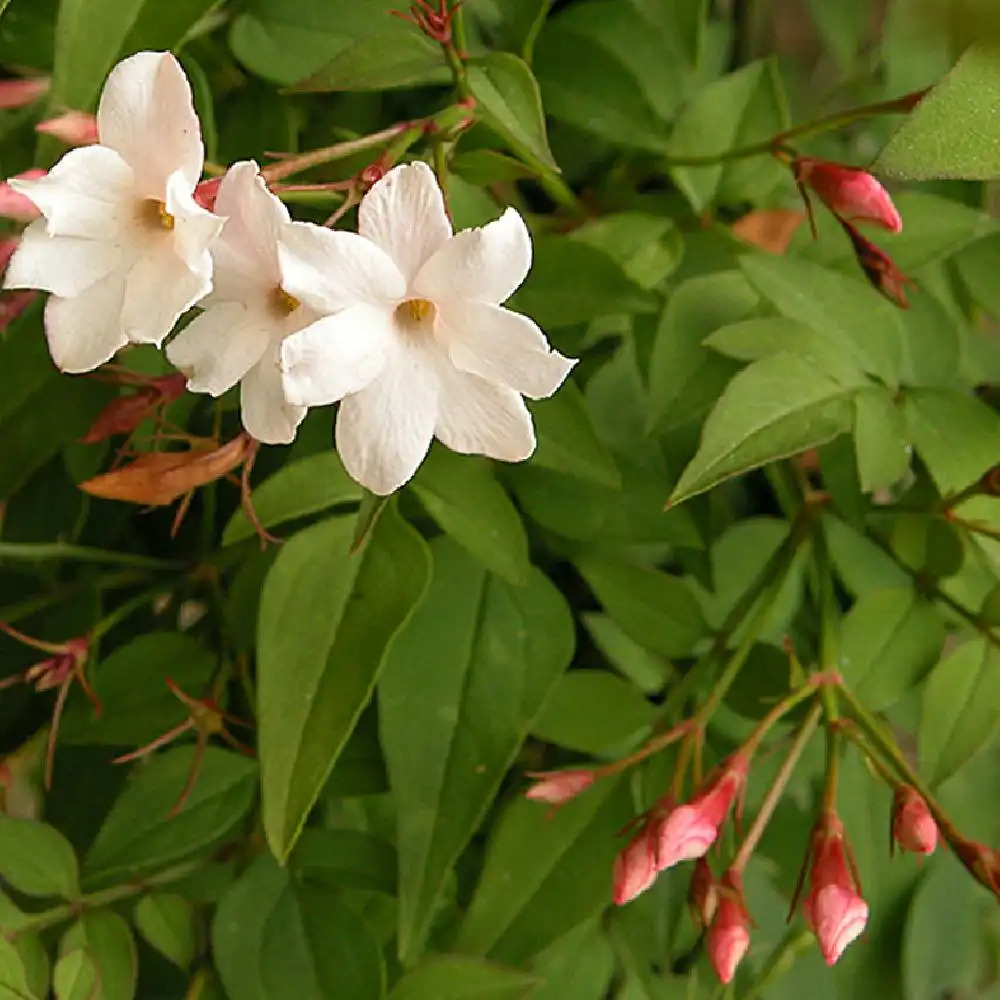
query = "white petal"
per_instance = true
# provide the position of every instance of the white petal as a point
(485, 265)
(336, 355)
(159, 287)
(246, 253)
(194, 228)
(501, 346)
(267, 415)
(147, 115)
(216, 349)
(477, 417)
(384, 431)
(404, 214)
(64, 265)
(332, 270)
(89, 193)
(84, 331)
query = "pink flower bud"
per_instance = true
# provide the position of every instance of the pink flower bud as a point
(557, 787)
(729, 936)
(19, 93)
(834, 908)
(7, 247)
(690, 830)
(14, 205)
(880, 269)
(703, 893)
(913, 826)
(206, 193)
(75, 128)
(982, 861)
(635, 867)
(852, 195)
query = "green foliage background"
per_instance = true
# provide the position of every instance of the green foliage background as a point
(493, 619)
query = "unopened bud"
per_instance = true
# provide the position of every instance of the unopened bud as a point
(17, 206)
(635, 867)
(75, 128)
(20, 93)
(729, 936)
(557, 787)
(913, 826)
(852, 195)
(206, 192)
(879, 268)
(703, 893)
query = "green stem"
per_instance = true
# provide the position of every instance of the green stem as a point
(123, 611)
(35, 922)
(794, 943)
(828, 123)
(32, 605)
(63, 551)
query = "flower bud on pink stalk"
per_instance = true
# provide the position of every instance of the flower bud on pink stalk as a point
(635, 867)
(20, 93)
(879, 268)
(913, 826)
(75, 128)
(557, 787)
(834, 908)
(982, 861)
(703, 893)
(729, 935)
(852, 195)
(688, 831)
(17, 206)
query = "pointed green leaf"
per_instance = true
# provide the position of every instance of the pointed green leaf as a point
(462, 685)
(107, 940)
(75, 976)
(460, 978)
(167, 922)
(327, 618)
(880, 439)
(37, 859)
(13, 976)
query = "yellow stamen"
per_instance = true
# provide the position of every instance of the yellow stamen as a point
(419, 309)
(283, 303)
(154, 214)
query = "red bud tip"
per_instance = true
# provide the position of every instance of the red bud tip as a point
(20, 93)
(729, 936)
(879, 268)
(13, 204)
(75, 128)
(913, 826)
(557, 787)
(852, 195)
(206, 193)
(635, 867)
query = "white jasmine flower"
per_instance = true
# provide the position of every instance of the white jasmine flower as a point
(247, 314)
(121, 244)
(418, 346)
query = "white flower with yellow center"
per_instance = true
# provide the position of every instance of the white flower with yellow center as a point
(414, 342)
(247, 315)
(122, 244)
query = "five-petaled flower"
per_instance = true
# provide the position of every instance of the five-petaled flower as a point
(412, 338)
(122, 245)
(248, 313)
(834, 908)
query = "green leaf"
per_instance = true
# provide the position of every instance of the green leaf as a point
(954, 433)
(961, 709)
(776, 407)
(139, 835)
(509, 104)
(107, 940)
(655, 609)
(458, 977)
(163, 26)
(37, 859)
(327, 619)
(861, 324)
(579, 966)
(462, 495)
(462, 685)
(880, 439)
(382, 61)
(742, 108)
(567, 441)
(594, 712)
(544, 874)
(685, 377)
(889, 641)
(131, 685)
(37, 964)
(648, 247)
(298, 489)
(644, 669)
(75, 976)
(345, 859)
(951, 132)
(571, 282)
(273, 939)
(13, 976)
(166, 921)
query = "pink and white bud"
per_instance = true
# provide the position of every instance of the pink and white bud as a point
(688, 831)
(834, 908)
(913, 826)
(851, 194)
(557, 787)
(729, 935)
(703, 893)
(635, 867)
(20, 93)
(207, 191)
(13, 204)
(75, 128)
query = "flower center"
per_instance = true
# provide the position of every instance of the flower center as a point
(153, 214)
(414, 313)
(282, 303)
